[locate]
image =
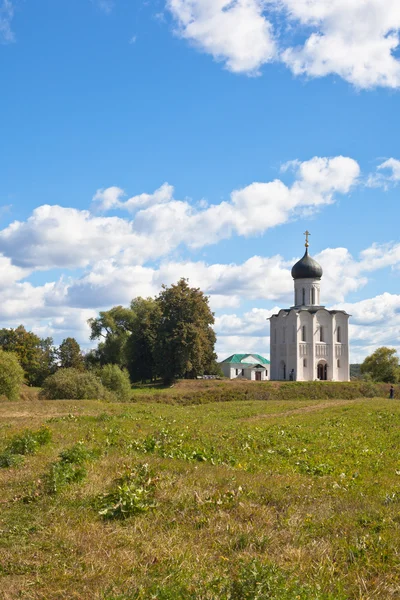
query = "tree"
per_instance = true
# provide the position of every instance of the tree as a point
(36, 355)
(11, 375)
(117, 381)
(185, 338)
(140, 347)
(113, 328)
(382, 365)
(70, 355)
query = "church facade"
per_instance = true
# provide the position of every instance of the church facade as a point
(308, 341)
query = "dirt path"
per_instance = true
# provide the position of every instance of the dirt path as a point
(302, 409)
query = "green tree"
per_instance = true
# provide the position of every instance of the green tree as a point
(185, 337)
(141, 345)
(382, 365)
(11, 375)
(113, 328)
(70, 355)
(37, 356)
(117, 381)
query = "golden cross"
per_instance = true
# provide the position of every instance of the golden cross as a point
(307, 233)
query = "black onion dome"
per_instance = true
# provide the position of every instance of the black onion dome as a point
(307, 268)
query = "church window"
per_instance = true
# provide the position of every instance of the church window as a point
(313, 296)
(304, 296)
(321, 334)
(304, 362)
(237, 371)
(338, 364)
(303, 333)
(339, 334)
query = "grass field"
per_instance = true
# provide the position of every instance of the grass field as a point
(294, 499)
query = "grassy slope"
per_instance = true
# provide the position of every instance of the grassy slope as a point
(254, 499)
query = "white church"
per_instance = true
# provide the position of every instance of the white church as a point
(309, 342)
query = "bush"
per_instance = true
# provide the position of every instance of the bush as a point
(11, 375)
(117, 381)
(71, 384)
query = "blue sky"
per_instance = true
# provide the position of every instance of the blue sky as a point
(144, 141)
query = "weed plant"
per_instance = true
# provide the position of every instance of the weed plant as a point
(28, 442)
(132, 494)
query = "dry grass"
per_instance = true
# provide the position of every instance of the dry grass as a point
(289, 499)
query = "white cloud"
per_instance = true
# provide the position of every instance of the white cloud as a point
(6, 15)
(69, 238)
(355, 39)
(110, 198)
(387, 174)
(235, 32)
(393, 166)
(375, 322)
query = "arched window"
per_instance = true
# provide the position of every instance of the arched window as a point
(304, 296)
(304, 362)
(321, 334)
(303, 334)
(339, 334)
(312, 295)
(338, 363)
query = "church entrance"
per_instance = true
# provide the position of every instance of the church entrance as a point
(322, 371)
(258, 375)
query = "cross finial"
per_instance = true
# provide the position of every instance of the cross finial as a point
(307, 233)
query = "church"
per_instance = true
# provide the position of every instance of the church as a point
(309, 342)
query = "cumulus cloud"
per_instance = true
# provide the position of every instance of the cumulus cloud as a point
(111, 198)
(6, 15)
(54, 236)
(354, 39)
(236, 33)
(375, 322)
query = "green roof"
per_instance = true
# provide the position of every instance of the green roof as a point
(240, 358)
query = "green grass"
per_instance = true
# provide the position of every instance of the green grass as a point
(267, 500)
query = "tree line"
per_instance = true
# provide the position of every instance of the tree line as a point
(166, 337)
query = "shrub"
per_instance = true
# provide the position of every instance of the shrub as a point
(11, 375)
(117, 381)
(72, 384)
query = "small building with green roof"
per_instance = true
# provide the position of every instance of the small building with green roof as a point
(247, 366)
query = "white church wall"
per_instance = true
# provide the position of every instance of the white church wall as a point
(341, 359)
(305, 370)
(307, 292)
